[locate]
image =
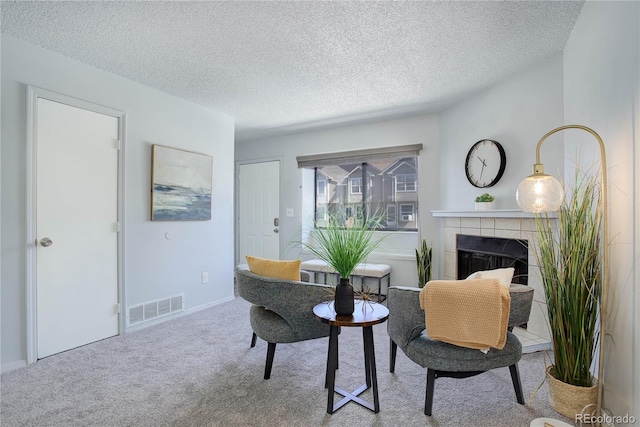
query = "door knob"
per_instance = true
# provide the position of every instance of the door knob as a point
(275, 230)
(46, 242)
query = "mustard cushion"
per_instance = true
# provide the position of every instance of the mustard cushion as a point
(287, 270)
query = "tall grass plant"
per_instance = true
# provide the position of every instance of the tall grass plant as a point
(570, 261)
(423, 262)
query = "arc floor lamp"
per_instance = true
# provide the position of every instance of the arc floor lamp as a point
(540, 192)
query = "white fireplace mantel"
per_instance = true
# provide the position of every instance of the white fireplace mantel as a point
(494, 213)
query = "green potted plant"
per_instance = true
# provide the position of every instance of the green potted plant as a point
(484, 202)
(423, 261)
(570, 261)
(344, 242)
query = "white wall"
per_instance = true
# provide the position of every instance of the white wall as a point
(516, 113)
(154, 266)
(601, 91)
(412, 130)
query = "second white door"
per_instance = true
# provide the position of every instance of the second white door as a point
(259, 206)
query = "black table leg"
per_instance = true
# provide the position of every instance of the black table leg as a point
(367, 359)
(332, 362)
(370, 349)
(326, 375)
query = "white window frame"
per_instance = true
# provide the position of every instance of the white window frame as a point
(323, 187)
(393, 208)
(359, 185)
(405, 181)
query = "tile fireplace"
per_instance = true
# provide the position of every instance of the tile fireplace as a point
(510, 231)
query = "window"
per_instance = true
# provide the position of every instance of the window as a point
(406, 182)
(355, 185)
(321, 186)
(384, 187)
(353, 210)
(391, 214)
(406, 212)
(321, 212)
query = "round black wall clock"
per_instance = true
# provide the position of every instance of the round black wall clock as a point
(485, 163)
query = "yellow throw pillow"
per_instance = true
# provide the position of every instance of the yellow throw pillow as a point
(287, 270)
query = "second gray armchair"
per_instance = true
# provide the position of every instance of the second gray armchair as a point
(406, 329)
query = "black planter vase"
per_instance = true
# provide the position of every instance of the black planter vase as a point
(344, 298)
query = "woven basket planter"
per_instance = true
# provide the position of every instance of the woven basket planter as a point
(570, 400)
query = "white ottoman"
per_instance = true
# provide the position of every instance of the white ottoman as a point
(373, 271)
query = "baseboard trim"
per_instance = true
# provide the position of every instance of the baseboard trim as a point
(13, 366)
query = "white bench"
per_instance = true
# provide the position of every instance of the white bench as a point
(318, 267)
(363, 271)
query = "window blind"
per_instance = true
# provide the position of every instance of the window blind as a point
(357, 156)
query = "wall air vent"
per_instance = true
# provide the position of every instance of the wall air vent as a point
(141, 313)
(136, 314)
(176, 303)
(150, 310)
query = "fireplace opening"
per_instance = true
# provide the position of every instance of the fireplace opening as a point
(476, 253)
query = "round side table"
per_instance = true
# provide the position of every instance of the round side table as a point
(365, 315)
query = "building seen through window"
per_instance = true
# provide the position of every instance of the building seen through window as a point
(385, 188)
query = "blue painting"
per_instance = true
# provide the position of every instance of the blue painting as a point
(181, 185)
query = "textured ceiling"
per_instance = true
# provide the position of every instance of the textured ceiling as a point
(281, 66)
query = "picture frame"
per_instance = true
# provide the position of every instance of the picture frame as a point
(181, 184)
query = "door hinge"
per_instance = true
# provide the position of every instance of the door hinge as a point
(117, 227)
(117, 144)
(117, 308)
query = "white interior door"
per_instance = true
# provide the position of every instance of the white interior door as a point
(258, 228)
(77, 211)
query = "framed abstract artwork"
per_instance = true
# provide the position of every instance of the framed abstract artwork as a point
(181, 183)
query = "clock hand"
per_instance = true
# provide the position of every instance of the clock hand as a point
(484, 161)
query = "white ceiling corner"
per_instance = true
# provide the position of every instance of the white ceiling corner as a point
(290, 65)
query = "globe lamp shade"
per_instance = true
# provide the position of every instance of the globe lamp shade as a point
(540, 193)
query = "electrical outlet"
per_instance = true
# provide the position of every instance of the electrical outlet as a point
(205, 277)
(289, 211)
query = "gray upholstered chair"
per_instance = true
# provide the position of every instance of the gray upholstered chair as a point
(282, 310)
(406, 329)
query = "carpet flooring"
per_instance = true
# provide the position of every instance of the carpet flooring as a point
(198, 370)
